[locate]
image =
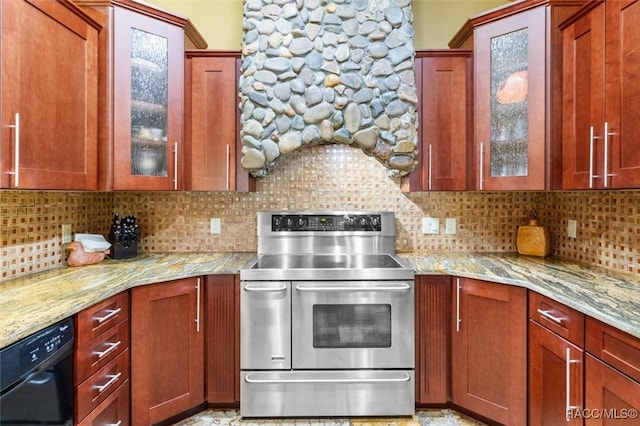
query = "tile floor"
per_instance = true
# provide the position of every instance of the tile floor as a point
(433, 417)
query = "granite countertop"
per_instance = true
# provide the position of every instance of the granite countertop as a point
(31, 303)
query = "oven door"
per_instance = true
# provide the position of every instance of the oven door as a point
(353, 324)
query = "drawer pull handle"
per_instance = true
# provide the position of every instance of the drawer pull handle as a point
(116, 424)
(112, 313)
(569, 408)
(112, 379)
(112, 347)
(550, 317)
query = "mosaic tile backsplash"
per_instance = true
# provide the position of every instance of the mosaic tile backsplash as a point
(322, 178)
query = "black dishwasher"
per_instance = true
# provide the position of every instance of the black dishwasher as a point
(36, 378)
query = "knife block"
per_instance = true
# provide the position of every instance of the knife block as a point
(121, 251)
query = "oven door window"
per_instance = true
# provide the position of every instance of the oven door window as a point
(352, 326)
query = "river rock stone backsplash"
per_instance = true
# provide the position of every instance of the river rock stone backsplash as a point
(320, 71)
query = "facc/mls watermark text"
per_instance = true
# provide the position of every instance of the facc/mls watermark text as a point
(602, 413)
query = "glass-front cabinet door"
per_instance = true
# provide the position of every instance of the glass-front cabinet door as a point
(510, 102)
(148, 92)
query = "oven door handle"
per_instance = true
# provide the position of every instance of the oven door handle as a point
(264, 289)
(402, 379)
(311, 287)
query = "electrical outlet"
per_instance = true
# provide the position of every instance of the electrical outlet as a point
(450, 226)
(215, 225)
(572, 226)
(430, 225)
(66, 233)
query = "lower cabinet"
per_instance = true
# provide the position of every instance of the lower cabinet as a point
(433, 316)
(101, 363)
(556, 362)
(167, 350)
(222, 339)
(489, 350)
(612, 376)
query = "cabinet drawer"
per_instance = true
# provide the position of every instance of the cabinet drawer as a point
(100, 351)
(112, 411)
(97, 319)
(555, 316)
(102, 384)
(615, 347)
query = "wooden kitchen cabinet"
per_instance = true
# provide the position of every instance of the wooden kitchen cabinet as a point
(141, 94)
(612, 372)
(49, 81)
(167, 350)
(101, 362)
(212, 122)
(433, 331)
(489, 350)
(556, 362)
(444, 84)
(223, 339)
(601, 97)
(518, 106)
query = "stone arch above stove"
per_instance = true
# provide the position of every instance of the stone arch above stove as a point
(317, 72)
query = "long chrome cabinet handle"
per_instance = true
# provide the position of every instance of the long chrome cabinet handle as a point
(112, 379)
(198, 305)
(264, 289)
(551, 317)
(569, 361)
(430, 167)
(405, 378)
(458, 320)
(112, 347)
(112, 313)
(606, 173)
(175, 166)
(228, 168)
(591, 142)
(310, 287)
(16, 148)
(481, 165)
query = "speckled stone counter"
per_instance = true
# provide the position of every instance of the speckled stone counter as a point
(34, 302)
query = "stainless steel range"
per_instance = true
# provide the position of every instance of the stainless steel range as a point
(327, 318)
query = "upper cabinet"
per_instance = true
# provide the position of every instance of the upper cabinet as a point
(517, 117)
(602, 96)
(49, 96)
(444, 83)
(212, 127)
(142, 94)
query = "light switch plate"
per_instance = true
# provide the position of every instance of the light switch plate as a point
(450, 226)
(430, 225)
(215, 225)
(572, 226)
(66, 233)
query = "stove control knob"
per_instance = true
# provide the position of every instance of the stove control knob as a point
(289, 222)
(363, 221)
(302, 222)
(374, 221)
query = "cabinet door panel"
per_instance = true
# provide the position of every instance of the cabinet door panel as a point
(167, 350)
(445, 122)
(610, 395)
(510, 102)
(583, 98)
(213, 131)
(489, 374)
(623, 93)
(148, 101)
(50, 99)
(433, 330)
(223, 339)
(548, 365)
